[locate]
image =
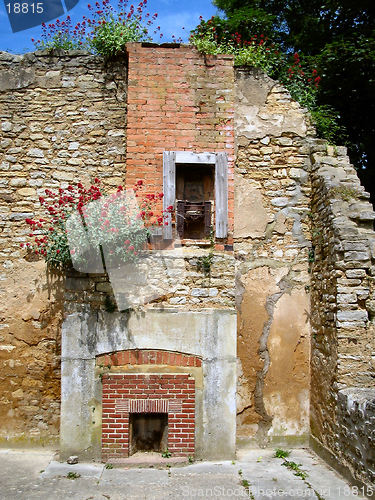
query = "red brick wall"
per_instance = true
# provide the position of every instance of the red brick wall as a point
(177, 101)
(124, 392)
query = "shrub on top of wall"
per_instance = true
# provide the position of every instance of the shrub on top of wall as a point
(105, 33)
(302, 81)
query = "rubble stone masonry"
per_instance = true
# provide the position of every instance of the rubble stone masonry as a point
(342, 298)
(272, 242)
(62, 120)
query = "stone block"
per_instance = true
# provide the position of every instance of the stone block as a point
(77, 284)
(249, 200)
(35, 153)
(352, 315)
(359, 256)
(280, 202)
(200, 292)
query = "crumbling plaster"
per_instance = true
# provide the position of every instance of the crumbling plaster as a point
(272, 242)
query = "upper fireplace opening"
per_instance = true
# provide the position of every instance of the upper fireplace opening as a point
(196, 186)
(195, 198)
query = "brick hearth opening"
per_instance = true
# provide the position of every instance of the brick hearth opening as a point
(148, 410)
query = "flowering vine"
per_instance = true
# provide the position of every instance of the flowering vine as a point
(80, 221)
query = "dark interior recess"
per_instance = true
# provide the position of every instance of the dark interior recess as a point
(195, 193)
(148, 432)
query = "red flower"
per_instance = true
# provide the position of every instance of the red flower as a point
(139, 183)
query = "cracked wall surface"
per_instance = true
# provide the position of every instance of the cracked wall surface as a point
(272, 245)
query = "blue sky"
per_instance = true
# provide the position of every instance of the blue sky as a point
(173, 15)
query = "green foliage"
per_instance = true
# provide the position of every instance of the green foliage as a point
(73, 475)
(259, 57)
(108, 466)
(61, 35)
(212, 37)
(166, 453)
(204, 263)
(109, 305)
(279, 453)
(208, 45)
(311, 257)
(296, 468)
(337, 37)
(105, 33)
(299, 75)
(80, 223)
(346, 193)
(328, 125)
(111, 35)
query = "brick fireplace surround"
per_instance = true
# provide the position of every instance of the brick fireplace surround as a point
(144, 393)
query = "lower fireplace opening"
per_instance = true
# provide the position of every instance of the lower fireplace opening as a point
(148, 432)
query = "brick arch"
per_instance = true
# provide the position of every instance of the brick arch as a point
(148, 357)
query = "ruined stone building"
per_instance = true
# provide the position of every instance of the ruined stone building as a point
(270, 341)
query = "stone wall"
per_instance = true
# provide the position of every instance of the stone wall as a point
(272, 247)
(342, 298)
(62, 120)
(192, 106)
(176, 280)
(356, 418)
